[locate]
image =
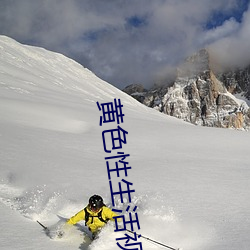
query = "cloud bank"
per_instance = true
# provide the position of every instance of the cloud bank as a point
(137, 41)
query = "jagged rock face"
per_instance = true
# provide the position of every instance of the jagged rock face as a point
(237, 81)
(137, 91)
(199, 97)
(205, 102)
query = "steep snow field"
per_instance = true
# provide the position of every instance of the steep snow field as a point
(192, 184)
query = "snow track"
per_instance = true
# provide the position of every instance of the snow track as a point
(32, 204)
(157, 221)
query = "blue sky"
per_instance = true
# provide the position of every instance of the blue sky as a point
(218, 17)
(137, 41)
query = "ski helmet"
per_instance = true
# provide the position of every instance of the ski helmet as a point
(95, 202)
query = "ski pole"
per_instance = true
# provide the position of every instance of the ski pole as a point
(157, 242)
(45, 228)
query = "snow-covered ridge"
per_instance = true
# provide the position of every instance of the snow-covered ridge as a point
(33, 74)
(34, 66)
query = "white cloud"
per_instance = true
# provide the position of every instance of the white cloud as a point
(228, 28)
(97, 32)
(233, 50)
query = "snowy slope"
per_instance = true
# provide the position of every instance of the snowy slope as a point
(192, 183)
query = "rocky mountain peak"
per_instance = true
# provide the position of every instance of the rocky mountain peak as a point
(200, 96)
(196, 64)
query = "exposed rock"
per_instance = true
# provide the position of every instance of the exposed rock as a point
(137, 91)
(201, 97)
(237, 81)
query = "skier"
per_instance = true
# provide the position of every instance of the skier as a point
(95, 214)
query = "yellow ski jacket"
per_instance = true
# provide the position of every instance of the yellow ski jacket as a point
(93, 223)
